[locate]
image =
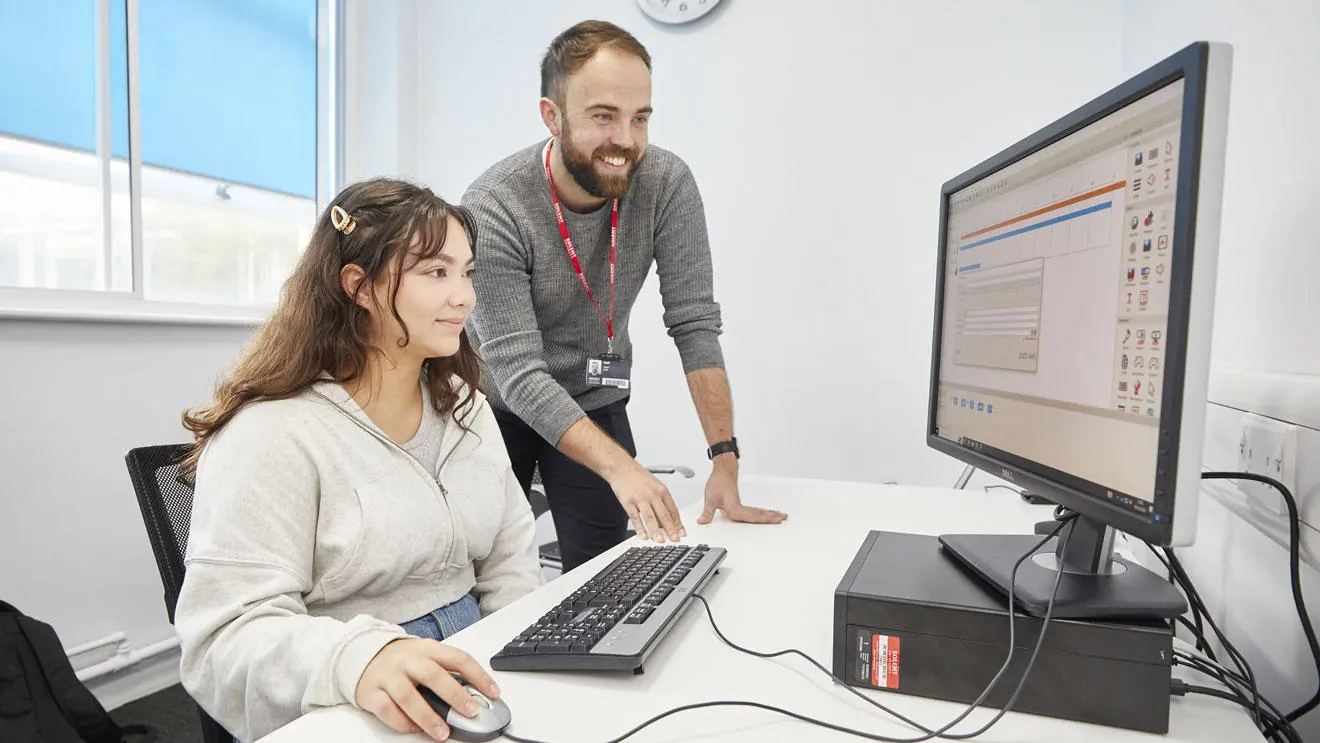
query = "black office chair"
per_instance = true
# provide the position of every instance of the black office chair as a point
(166, 504)
(548, 554)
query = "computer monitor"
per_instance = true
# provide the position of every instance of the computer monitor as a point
(1073, 313)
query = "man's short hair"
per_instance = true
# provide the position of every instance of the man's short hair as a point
(575, 47)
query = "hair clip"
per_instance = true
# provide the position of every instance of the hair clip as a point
(342, 220)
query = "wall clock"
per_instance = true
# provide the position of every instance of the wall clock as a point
(676, 11)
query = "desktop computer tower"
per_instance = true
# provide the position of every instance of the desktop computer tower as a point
(909, 618)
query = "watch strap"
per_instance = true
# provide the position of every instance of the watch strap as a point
(723, 447)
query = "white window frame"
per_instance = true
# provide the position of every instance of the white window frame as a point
(132, 306)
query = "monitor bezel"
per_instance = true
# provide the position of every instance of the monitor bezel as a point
(1191, 64)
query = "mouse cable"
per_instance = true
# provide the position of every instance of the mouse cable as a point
(929, 734)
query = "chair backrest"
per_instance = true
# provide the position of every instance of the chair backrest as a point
(166, 504)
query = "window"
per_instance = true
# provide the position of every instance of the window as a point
(162, 153)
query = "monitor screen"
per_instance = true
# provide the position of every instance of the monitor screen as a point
(1056, 302)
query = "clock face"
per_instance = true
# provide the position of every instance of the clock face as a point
(676, 11)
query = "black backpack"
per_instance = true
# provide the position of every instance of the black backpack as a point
(41, 699)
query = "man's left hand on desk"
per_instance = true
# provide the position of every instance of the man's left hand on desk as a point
(722, 495)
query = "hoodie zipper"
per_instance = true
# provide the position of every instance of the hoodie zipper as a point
(434, 477)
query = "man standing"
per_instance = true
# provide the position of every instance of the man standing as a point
(567, 232)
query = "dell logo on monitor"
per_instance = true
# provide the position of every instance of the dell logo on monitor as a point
(1004, 473)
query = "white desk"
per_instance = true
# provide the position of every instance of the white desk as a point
(774, 590)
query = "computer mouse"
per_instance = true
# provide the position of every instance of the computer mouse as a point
(491, 718)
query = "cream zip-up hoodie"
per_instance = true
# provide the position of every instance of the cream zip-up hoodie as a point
(314, 536)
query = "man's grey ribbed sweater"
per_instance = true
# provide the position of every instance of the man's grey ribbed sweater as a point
(533, 322)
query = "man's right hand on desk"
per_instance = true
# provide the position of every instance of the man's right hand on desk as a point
(644, 498)
(388, 687)
(647, 502)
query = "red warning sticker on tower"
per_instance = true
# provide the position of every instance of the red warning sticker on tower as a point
(884, 661)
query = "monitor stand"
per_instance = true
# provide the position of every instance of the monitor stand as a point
(1095, 584)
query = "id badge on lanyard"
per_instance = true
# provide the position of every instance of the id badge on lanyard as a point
(607, 369)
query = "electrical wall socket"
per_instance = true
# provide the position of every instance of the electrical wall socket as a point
(1268, 447)
(1269, 424)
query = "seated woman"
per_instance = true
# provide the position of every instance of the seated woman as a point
(352, 488)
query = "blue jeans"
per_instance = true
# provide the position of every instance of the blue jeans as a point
(445, 621)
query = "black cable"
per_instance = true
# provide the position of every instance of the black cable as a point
(1284, 731)
(1198, 624)
(1237, 684)
(1175, 568)
(1198, 631)
(737, 703)
(1192, 628)
(1213, 692)
(1182, 688)
(1178, 575)
(809, 659)
(1233, 681)
(1012, 646)
(1294, 572)
(1066, 520)
(942, 732)
(1194, 596)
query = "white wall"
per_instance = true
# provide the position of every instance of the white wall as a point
(1266, 303)
(77, 397)
(1270, 250)
(819, 134)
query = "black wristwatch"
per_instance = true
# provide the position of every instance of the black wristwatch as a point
(723, 447)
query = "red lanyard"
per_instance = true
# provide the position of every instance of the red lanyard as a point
(572, 253)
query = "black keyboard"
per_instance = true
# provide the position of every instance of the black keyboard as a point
(617, 618)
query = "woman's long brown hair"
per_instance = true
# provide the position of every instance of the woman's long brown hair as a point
(319, 328)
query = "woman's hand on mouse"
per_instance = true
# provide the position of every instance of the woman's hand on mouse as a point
(388, 687)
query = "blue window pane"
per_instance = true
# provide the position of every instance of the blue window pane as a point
(48, 71)
(229, 90)
(228, 87)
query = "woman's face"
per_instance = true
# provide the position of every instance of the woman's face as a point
(435, 299)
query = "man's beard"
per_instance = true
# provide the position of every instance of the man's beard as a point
(581, 165)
